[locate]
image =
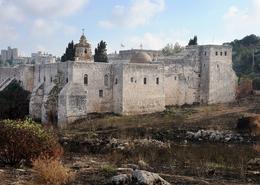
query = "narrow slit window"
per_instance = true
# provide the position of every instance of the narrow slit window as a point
(101, 93)
(157, 81)
(225, 53)
(132, 79)
(216, 53)
(145, 81)
(116, 81)
(106, 80)
(86, 79)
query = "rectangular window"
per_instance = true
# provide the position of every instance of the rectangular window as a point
(221, 53)
(205, 53)
(157, 81)
(116, 81)
(132, 80)
(225, 53)
(216, 53)
(145, 81)
(101, 93)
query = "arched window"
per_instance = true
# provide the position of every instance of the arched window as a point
(86, 79)
(106, 80)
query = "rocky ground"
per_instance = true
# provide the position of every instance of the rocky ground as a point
(188, 145)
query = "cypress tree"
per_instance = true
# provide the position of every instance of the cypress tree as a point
(101, 52)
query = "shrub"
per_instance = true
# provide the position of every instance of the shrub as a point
(109, 170)
(24, 141)
(51, 171)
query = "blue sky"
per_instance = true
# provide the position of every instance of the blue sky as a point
(48, 25)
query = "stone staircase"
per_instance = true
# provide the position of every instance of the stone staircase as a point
(5, 83)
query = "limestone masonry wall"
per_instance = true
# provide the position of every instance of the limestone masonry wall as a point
(65, 92)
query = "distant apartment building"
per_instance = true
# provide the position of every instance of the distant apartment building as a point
(9, 54)
(42, 58)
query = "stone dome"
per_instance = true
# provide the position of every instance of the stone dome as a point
(141, 57)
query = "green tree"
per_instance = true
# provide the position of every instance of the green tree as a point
(243, 51)
(69, 53)
(193, 41)
(101, 52)
(169, 49)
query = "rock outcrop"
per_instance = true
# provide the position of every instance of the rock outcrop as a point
(138, 177)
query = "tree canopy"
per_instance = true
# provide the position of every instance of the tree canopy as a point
(169, 49)
(193, 41)
(101, 52)
(243, 52)
(69, 53)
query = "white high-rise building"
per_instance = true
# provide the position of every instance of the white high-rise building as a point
(9, 54)
(42, 58)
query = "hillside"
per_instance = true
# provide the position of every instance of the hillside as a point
(243, 52)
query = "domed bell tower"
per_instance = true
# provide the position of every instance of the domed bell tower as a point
(83, 50)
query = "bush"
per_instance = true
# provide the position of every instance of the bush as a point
(24, 141)
(51, 171)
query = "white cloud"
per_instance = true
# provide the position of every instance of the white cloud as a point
(9, 32)
(243, 21)
(138, 14)
(52, 7)
(10, 12)
(157, 41)
(46, 28)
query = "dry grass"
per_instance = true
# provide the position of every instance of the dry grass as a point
(51, 171)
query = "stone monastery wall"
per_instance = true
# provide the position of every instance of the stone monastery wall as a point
(65, 92)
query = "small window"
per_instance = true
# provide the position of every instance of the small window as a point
(217, 66)
(205, 53)
(67, 80)
(199, 75)
(51, 79)
(132, 79)
(175, 78)
(145, 81)
(204, 65)
(116, 81)
(157, 81)
(101, 94)
(44, 79)
(106, 80)
(216, 53)
(221, 53)
(86, 79)
(225, 53)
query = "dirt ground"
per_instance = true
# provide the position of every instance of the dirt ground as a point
(105, 145)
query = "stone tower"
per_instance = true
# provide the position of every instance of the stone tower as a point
(83, 50)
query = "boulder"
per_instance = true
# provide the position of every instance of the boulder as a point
(122, 179)
(141, 177)
(250, 123)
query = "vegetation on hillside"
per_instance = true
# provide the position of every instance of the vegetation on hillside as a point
(14, 102)
(243, 51)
